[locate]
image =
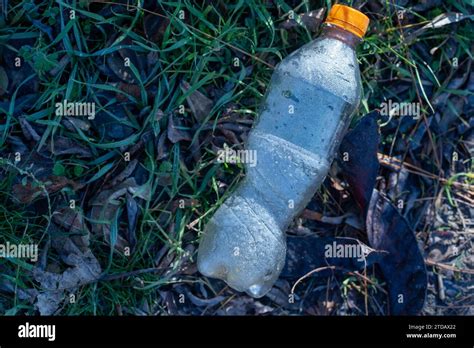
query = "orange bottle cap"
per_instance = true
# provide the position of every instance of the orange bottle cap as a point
(349, 19)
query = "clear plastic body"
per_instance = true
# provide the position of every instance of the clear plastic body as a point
(312, 95)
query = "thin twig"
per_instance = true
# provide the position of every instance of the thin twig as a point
(448, 267)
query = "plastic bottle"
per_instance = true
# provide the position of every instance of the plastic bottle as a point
(312, 95)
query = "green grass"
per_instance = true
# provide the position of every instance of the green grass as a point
(200, 48)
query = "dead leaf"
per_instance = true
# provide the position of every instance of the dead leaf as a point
(73, 222)
(154, 27)
(162, 150)
(129, 89)
(203, 302)
(142, 191)
(132, 216)
(200, 105)
(305, 254)
(3, 81)
(125, 73)
(32, 190)
(84, 268)
(403, 267)
(241, 305)
(65, 60)
(124, 174)
(106, 205)
(311, 20)
(445, 19)
(174, 133)
(74, 123)
(358, 159)
(436, 23)
(28, 131)
(104, 210)
(67, 146)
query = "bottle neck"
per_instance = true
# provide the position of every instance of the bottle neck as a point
(335, 32)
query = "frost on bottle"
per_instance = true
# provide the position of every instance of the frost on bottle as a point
(312, 95)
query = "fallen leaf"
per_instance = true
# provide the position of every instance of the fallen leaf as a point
(84, 268)
(162, 149)
(31, 190)
(311, 20)
(106, 205)
(73, 222)
(65, 60)
(142, 191)
(445, 19)
(305, 254)
(200, 105)
(132, 216)
(129, 89)
(124, 174)
(154, 27)
(18, 74)
(104, 210)
(203, 302)
(403, 267)
(67, 146)
(74, 123)
(113, 123)
(174, 133)
(358, 159)
(438, 22)
(123, 72)
(28, 131)
(3, 81)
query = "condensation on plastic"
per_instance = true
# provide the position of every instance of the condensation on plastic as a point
(311, 98)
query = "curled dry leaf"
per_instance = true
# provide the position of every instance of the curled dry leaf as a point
(203, 302)
(403, 266)
(358, 159)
